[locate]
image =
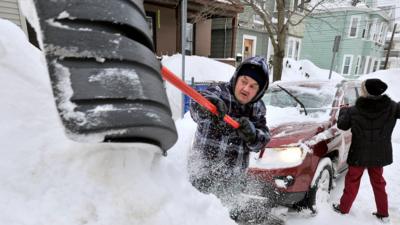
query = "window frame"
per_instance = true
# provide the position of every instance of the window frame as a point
(356, 28)
(350, 64)
(250, 37)
(358, 64)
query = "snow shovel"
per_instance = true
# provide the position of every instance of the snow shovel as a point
(196, 96)
(104, 74)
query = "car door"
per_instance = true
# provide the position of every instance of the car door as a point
(350, 95)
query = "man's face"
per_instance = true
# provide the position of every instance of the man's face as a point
(246, 89)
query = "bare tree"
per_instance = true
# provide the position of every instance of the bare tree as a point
(277, 23)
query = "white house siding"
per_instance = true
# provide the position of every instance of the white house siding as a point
(9, 10)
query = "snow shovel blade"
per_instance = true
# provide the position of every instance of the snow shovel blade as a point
(105, 76)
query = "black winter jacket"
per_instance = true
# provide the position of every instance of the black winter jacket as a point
(372, 121)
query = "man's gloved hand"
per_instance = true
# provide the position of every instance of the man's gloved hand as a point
(247, 130)
(220, 104)
(201, 110)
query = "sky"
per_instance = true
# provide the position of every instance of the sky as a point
(49, 179)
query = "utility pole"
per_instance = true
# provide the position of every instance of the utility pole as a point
(334, 50)
(390, 46)
(183, 45)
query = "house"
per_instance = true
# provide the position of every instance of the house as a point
(10, 10)
(361, 27)
(248, 32)
(251, 35)
(164, 18)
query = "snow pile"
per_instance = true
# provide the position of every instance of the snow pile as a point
(306, 70)
(48, 179)
(200, 68)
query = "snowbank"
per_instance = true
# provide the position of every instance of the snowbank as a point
(48, 179)
(198, 67)
(306, 70)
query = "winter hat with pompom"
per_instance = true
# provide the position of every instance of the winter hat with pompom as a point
(374, 87)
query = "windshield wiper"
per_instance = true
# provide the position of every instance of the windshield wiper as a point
(294, 97)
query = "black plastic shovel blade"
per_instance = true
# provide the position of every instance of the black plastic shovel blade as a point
(104, 74)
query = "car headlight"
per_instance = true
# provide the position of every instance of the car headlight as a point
(278, 158)
(288, 155)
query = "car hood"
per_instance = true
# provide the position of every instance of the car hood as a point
(295, 133)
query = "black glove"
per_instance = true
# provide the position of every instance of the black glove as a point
(220, 104)
(247, 130)
(201, 110)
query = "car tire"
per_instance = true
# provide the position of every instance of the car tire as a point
(104, 74)
(321, 186)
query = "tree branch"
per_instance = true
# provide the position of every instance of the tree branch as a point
(308, 13)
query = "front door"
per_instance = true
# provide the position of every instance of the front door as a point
(248, 48)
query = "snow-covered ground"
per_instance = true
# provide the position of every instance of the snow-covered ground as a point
(48, 179)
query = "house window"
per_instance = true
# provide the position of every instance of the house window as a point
(151, 22)
(258, 20)
(368, 30)
(369, 65)
(290, 49)
(189, 39)
(375, 65)
(357, 65)
(249, 46)
(354, 26)
(376, 32)
(362, 65)
(382, 64)
(293, 48)
(347, 60)
(382, 31)
(373, 30)
(364, 32)
(297, 50)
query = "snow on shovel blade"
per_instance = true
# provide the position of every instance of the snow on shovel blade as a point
(105, 77)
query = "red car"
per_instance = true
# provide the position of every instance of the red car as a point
(307, 151)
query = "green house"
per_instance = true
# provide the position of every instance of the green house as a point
(362, 29)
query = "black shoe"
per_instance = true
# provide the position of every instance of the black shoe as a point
(336, 208)
(384, 219)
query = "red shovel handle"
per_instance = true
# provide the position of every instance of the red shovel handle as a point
(189, 91)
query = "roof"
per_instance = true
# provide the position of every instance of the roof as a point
(213, 9)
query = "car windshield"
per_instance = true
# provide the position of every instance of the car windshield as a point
(314, 97)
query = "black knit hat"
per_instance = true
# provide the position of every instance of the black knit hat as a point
(254, 72)
(375, 86)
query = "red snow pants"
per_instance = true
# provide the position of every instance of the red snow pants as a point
(352, 184)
